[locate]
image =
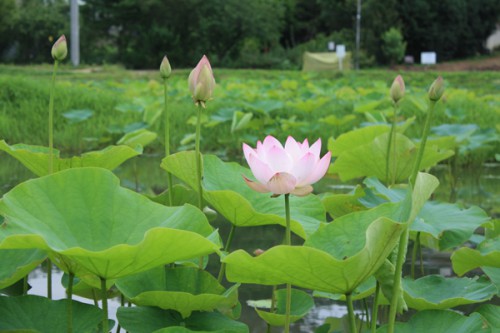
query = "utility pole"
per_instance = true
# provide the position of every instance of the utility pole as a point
(358, 34)
(75, 33)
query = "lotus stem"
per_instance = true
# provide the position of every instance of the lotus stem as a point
(350, 311)
(122, 303)
(423, 142)
(104, 296)
(51, 160)
(166, 115)
(273, 306)
(70, 303)
(25, 285)
(198, 157)
(375, 309)
(416, 247)
(226, 249)
(403, 241)
(288, 241)
(392, 142)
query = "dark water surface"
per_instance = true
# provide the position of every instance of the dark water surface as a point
(476, 186)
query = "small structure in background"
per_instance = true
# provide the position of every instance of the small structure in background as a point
(428, 58)
(331, 46)
(341, 55)
(409, 60)
(325, 61)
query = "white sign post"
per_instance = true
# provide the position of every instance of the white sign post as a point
(331, 46)
(340, 54)
(428, 58)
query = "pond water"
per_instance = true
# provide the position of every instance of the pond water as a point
(478, 186)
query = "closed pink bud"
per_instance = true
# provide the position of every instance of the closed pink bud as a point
(60, 49)
(165, 69)
(397, 89)
(201, 81)
(436, 90)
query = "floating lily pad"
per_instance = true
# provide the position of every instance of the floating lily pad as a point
(338, 257)
(301, 304)
(36, 158)
(487, 254)
(77, 116)
(83, 214)
(440, 321)
(16, 264)
(225, 190)
(184, 289)
(434, 292)
(150, 319)
(39, 314)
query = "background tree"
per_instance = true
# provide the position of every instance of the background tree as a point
(393, 46)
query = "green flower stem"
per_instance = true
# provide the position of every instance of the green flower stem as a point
(51, 160)
(166, 115)
(104, 296)
(392, 141)
(51, 118)
(25, 285)
(226, 249)
(416, 247)
(273, 307)
(350, 310)
(122, 303)
(403, 241)
(423, 142)
(288, 241)
(70, 303)
(198, 157)
(375, 309)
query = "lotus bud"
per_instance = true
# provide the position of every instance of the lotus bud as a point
(201, 82)
(258, 252)
(397, 89)
(165, 69)
(60, 49)
(436, 90)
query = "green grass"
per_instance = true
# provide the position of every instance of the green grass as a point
(309, 105)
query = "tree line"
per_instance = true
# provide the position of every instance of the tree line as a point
(245, 33)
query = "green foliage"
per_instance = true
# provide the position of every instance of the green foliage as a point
(393, 45)
(39, 314)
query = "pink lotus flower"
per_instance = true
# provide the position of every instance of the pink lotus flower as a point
(201, 82)
(282, 170)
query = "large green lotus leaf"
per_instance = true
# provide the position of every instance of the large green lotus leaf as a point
(138, 139)
(301, 304)
(364, 290)
(317, 269)
(435, 292)
(181, 195)
(338, 205)
(184, 289)
(39, 314)
(16, 264)
(36, 158)
(362, 136)
(370, 159)
(491, 313)
(487, 254)
(150, 319)
(440, 321)
(448, 223)
(493, 273)
(84, 215)
(226, 191)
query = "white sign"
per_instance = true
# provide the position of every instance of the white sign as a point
(428, 58)
(340, 51)
(331, 46)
